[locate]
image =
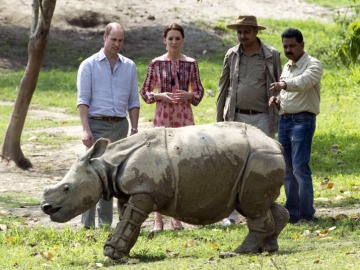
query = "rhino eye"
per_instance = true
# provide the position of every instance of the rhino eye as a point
(66, 187)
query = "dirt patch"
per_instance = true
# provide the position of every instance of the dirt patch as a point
(77, 28)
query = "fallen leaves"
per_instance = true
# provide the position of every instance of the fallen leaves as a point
(47, 255)
(190, 243)
(9, 239)
(326, 184)
(171, 253)
(324, 234)
(318, 234)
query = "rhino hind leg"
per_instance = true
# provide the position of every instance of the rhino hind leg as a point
(252, 243)
(260, 229)
(124, 237)
(281, 218)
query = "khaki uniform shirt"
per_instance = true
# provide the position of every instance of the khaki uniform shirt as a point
(227, 101)
(303, 86)
(251, 93)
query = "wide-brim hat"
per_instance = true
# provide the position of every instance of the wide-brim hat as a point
(245, 21)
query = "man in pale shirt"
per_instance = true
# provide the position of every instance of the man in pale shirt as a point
(249, 69)
(298, 104)
(107, 87)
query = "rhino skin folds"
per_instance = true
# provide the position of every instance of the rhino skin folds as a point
(197, 174)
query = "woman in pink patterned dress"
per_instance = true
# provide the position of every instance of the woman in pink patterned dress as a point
(177, 79)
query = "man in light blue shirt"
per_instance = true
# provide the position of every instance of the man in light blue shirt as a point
(107, 87)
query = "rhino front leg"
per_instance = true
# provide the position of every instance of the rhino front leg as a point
(135, 212)
(260, 229)
(281, 217)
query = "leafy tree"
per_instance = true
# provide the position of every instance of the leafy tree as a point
(42, 11)
(349, 48)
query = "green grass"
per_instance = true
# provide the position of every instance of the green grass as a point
(331, 244)
(9, 200)
(334, 156)
(332, 3)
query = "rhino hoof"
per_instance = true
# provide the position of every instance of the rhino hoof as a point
(111, 252)
(270, 246)
(244, 249)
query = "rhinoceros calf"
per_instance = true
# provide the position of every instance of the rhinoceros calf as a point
(197, 174)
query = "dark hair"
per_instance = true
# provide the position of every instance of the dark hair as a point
(173, 26)
(292, 32)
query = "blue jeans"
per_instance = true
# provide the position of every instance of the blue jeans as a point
(295, 134)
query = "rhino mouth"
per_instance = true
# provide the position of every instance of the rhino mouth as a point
(49, 209)
(54, 210)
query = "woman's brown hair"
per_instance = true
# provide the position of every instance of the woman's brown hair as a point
(173, 26)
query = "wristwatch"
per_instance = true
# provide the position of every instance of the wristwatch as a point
(134, 130)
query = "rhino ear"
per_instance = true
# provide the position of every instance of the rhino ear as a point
(96, 150)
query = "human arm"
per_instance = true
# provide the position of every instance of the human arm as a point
(303, 81)
(224, 84)
(83, 100)
(134, 118)
(149, 84)
(134, 103)
(88, 137)
(307, 79)
(197, 90)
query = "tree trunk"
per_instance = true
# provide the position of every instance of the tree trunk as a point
(43, 11)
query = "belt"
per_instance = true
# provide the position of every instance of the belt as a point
(237, 110)
(108, 118)
(301, 115)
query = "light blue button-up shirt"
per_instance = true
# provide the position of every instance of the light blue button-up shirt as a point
(104, 92)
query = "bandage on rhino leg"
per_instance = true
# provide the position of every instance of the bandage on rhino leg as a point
(134, 213)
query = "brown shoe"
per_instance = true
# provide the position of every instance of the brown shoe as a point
(176, 224)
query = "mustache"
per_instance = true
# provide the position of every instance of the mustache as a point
(289, 53)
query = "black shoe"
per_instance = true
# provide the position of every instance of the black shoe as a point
(293, 220)
(304, 221)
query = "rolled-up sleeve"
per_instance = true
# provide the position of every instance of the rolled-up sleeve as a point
(306, 80)
(134, 96)
(84, 84)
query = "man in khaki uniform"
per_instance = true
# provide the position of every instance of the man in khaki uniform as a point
(249, 69)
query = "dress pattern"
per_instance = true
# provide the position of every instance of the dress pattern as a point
(168, 75)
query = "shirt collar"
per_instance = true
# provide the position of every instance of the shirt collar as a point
(300, 62)
(102, 55)
(261, 49)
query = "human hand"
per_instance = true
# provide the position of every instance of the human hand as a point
(133, 131)
(182, 95)
(277, 86)
(274, 102)
(166, 97)
(88, 138)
